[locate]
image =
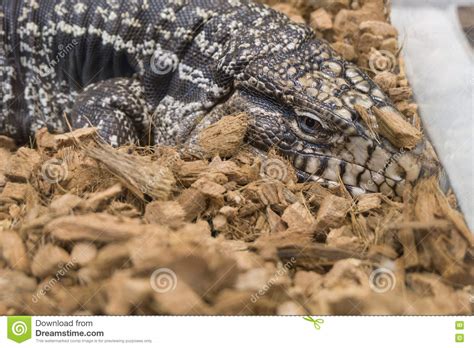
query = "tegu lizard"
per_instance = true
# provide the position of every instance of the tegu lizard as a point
(158, 71)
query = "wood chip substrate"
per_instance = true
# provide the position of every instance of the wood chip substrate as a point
(87, 229)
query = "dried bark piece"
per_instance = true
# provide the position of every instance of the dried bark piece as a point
(83, 253)
(125, 293)
(346, 22)
(444, 261)
(368, 41)
(7, 143)
(378, 28)
(382, 252)
(386, 80)
(229, 212)
(291, 308)
(272, 193)
(452, 214)
(331, 214)
(13, 284)
(410, 253)
(369, 119)
(46, 140)
(343, 238)
(334, 5)
(320, 20)
(269, 244)
(189, 172)
(347, 51)
(167, 213)
(182, 300)
(435, 295)
(398, 131)
(390, 45)
(206, 270)
(229, 302)
(214, 177)
(275, 221)
(209, 188)
(398, 94)
(410, 110)
(254, 279)
(123, 209)
(48, 260)
(309, 282)
(64, 204)
(99, 200)
(14, 251)
(109, 259)
(22, 164)
(94, 227)
(15, 191)
(225, 137)
(140, 175)
(368, 202)
(219, 222)
(297, 216)
(426, 207)
(406, 236)
(345, 273)
(232, 171)
(312, 256)
(193, 203)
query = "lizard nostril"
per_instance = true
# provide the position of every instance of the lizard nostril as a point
(428, 169)
(430, 165)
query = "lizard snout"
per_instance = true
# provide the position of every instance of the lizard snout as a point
(430, 165)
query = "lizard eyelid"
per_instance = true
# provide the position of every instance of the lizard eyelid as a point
(310, 121)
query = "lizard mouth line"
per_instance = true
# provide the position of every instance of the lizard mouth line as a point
(305, 177)
(318, 167)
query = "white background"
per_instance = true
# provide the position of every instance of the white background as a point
(288, 332)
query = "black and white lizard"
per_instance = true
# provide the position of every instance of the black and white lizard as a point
(158, 71)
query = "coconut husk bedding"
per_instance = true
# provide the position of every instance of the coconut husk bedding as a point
(87, 229)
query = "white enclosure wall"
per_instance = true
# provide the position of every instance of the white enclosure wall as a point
(439, 63)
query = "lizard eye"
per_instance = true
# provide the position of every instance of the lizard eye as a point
(310, 125)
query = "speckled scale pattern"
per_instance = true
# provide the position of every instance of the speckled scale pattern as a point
(157, 71)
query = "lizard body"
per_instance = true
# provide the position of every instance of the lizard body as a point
(158, 71)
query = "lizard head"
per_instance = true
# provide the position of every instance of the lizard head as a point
(307, 104)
